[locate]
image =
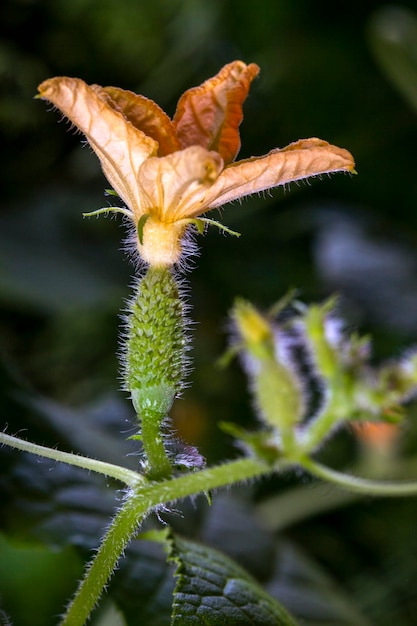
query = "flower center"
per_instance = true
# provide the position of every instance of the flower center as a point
(161, 241)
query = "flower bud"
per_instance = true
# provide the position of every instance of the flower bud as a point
(277, 390)
(323, 333)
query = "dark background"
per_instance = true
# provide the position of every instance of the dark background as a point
(346, 73)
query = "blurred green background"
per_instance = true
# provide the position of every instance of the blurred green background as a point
(346, 73)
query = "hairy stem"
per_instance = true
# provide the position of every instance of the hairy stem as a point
(361, 485)
(155, 360)
(158, 462)
(127, 476)
(139, 502)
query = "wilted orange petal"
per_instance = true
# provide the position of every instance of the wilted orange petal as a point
(379, 435)
(120, 147)
(210, 115)
(147, 116)
(301, 159)
(171, 186)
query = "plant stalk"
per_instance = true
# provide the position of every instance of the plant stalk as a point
(356, 484)
(139, 502)
(126, 476)
(155, 361)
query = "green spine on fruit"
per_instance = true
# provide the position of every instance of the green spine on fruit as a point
(155, 344)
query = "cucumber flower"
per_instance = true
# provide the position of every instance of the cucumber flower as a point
(170, 172)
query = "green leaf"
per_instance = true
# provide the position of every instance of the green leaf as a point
(54, 503)
(212, 590)
(286, 571)
(143, 585)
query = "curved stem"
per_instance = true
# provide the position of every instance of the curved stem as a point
(101, 568)
(126, 476)
(360, 485)
(320, 427)
(140, 501)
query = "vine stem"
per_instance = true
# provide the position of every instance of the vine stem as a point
(321, 426)
(126, 476)
(144, 496)
(139, 502)
(356, 484)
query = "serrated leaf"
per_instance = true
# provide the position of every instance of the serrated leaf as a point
(143, 585)
(55, 503)
(285, 571)
(93, 430)
(213, 590)
(231, 527)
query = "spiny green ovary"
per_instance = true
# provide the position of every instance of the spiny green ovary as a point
(156, 343)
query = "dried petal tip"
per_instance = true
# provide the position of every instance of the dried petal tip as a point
(299, 160)
(318, 156)
(210, 115)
